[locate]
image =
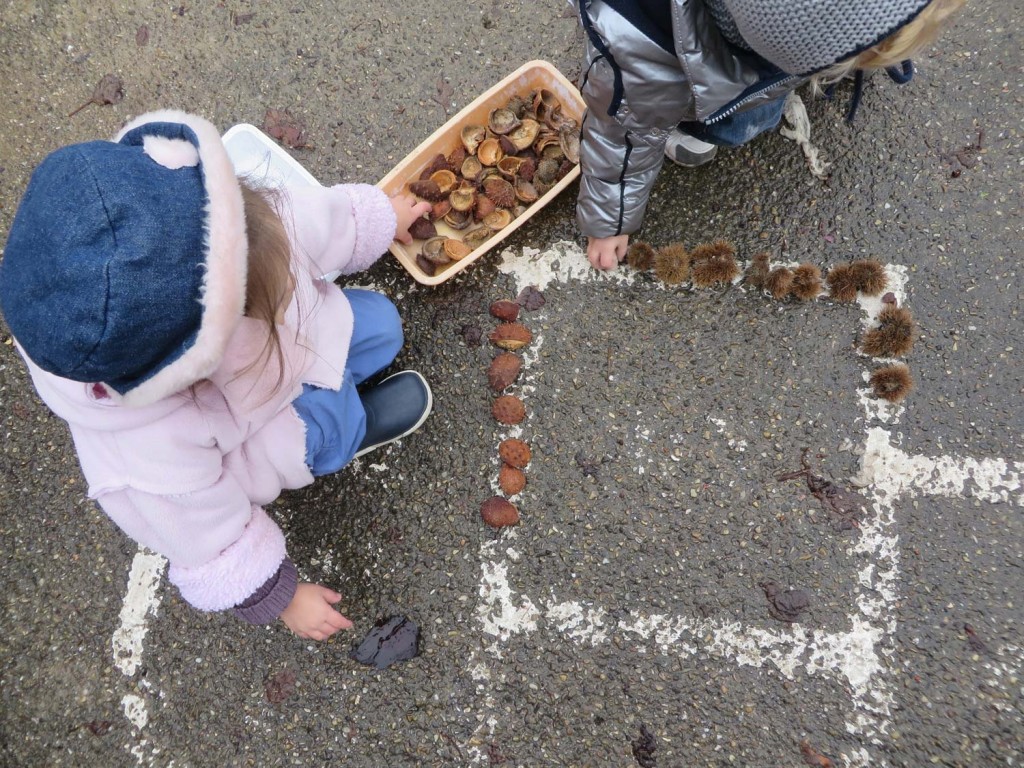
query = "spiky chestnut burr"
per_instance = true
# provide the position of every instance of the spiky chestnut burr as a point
(869, 275)
(806, 282)
(892, 383)
(779, 282)
(672, 264)
(894, 335)
(640, 256)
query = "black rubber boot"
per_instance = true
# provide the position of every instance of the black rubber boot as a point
(395, 407)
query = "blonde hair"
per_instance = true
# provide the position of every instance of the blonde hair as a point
(900, 45)
(269, 274)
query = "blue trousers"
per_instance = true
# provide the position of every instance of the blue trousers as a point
(336, 421)
(739, 128)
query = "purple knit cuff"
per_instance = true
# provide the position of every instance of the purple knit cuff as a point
(376, 225)
(267, 603)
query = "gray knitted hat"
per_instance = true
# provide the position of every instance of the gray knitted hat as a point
(805, 36)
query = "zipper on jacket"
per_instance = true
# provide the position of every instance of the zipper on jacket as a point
(730, 109)
(622, 185)
(598, 43)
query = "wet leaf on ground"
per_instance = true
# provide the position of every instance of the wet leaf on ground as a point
(280, 686)
(976, 643)
(644, 747)
(530, 298)
(847, 506)
(966, 157)
(444, 94)
(587, 464)
(395, 638)
(279, 124)
(99, 727)
(109, 90)
(785, 604)
(494, 755)
(472, 335)
(813, 757)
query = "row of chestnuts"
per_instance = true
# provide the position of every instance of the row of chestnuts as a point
(509, 336)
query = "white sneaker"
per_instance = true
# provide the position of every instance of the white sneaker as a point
(683, 149)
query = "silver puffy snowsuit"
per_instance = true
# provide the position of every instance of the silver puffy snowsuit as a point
(720, 58)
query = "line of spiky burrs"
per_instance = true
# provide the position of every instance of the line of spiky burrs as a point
(715, 262)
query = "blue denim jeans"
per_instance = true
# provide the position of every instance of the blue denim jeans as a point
(739, 128)
(335, 421)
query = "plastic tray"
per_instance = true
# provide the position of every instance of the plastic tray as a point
(256, 156)
(259, 157)
(531, 76)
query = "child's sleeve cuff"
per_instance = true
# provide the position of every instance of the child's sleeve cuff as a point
(269, 601)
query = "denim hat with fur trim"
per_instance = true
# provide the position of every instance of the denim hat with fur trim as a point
(126, 261)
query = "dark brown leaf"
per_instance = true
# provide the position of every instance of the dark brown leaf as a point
(280, 686)
(813, 757)
(588, 464)
(109, 90)
(445, 92)
(644, 747)
(846, 505)
(99, 727)
(976, 643)
(530, 298)
(472, 335)
(785, 604)
(142, 36)
(494, 755)
(279, 124)
(395, 638)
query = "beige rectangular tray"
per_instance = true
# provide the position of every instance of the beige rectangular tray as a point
(531, 76)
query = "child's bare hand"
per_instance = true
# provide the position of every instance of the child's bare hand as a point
(310, 614)
(607, 252)
(407, 210)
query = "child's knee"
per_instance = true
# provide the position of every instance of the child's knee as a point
(377, 318)
(389, 324)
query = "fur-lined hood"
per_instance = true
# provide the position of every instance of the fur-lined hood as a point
(127, 259)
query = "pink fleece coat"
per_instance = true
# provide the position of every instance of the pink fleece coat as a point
(188, 475)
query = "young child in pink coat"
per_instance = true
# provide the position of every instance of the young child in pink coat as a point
(173, 316)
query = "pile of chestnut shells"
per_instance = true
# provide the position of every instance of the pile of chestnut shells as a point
(509, 336)
(495, 173)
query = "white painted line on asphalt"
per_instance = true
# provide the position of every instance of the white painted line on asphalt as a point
(140, 600)
(895, 473)
(854, 656)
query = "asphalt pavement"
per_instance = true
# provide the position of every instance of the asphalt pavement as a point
(666, 600)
